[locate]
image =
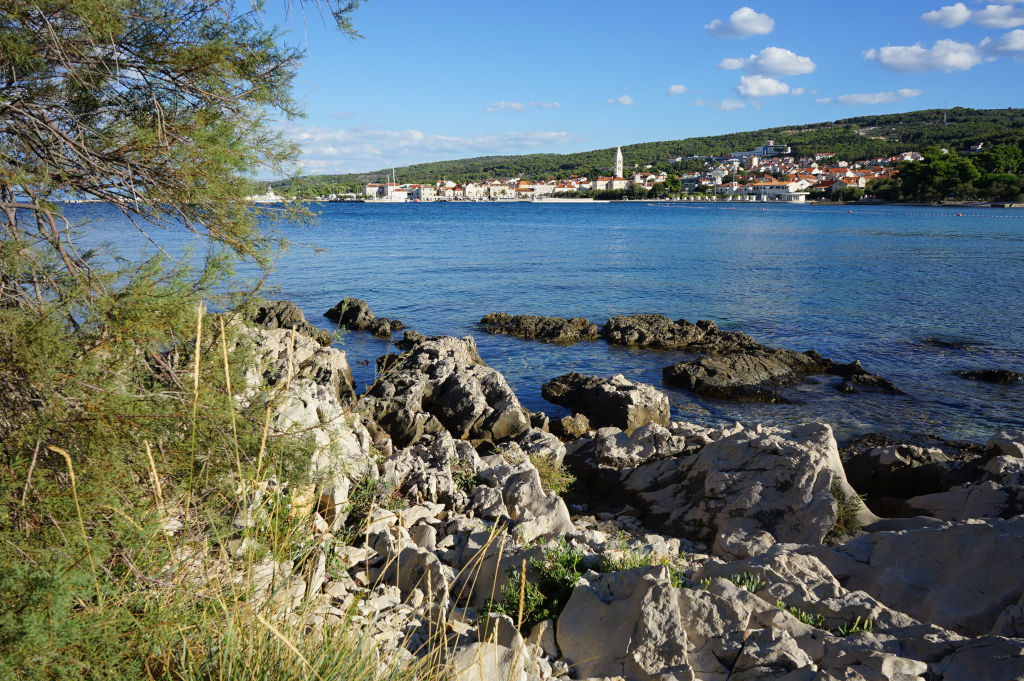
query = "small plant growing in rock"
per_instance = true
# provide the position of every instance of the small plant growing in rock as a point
(553, 476)
(746, 580)
(463, 474)
(817, 620)
(856, 626)
(557, 574)
(848, 508)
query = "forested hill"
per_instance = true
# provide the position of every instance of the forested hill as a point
(850, 139)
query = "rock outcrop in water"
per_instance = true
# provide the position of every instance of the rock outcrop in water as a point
(695, 552)
(548, 329)
(355, 314)
(614, 401)
(284, 314)
(998, 376)
(732, 365)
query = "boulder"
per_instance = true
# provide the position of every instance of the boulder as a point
(614, 401)
(351, 313)
(655, 331)
(570, 427)
(779, 480)
(1008, 441)
(626, 624)
(960, 576)
(750, 376)
(442, 384)
(487, 660)
(547, 329)
(284, 314)
(989, 657)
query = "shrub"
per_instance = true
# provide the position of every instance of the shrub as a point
(848, 509)
(553, 476)
(557, 574)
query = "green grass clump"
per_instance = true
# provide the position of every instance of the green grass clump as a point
(557, 574)
(463, 474)
(817, 620)
(848, 509)
(746, 580)
(553, 476)
(629, 559)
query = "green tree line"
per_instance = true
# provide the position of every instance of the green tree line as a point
(996, 174)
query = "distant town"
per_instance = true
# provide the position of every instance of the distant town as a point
(767, 173)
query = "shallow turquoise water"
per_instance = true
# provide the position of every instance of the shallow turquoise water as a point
(868, 285)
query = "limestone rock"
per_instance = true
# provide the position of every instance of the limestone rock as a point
(615, 401)
(548, 329)
(284, 314)
(778, 479)
(351, 313)
(960, 576)
(442, 384)
(1009, 441)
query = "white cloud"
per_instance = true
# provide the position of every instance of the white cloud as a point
(369, 148)
(824, 100)
(999, 16)
(949, 16)
(771, 61)
(545, 105)
(675, 90)
(760, 86)
(1010, 44)
(742, 23)
(625, 100)
(724, 105)
(797, 91)
(868, 98)
(945, 55)
(504, 106)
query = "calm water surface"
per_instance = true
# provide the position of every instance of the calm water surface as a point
(871, 285)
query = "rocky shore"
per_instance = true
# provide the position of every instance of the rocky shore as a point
(680, 552)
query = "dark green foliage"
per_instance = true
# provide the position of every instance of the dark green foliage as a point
(848, 509)
(557, 575)
(463, 475)
(850, 139)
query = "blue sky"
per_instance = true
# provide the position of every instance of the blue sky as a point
(432, 81)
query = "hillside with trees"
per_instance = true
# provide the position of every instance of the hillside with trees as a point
(849, 139)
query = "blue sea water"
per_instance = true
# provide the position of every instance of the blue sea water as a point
(873, 283)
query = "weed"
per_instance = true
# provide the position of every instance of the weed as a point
(746, 580)
(463, 474)
(554, 476)
(557, 575)
(817, 620)
(848, 509)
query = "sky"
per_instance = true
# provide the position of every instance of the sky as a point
(432, 81)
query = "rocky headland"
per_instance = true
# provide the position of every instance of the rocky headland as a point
(680, 552)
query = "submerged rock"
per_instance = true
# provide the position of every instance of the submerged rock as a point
(614, 401)
(548, 329)
(998, 376)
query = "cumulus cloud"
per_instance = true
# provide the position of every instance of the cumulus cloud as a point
(1010, 44)
(368, 148)
(724, 105)
(545, 105)
(760, 86)
(504, 106)
(868, 98)
(742, 23)
(797, 91)
(625, 100)
(944, 55)
(999, 16)
(675, 90)
(949, 16)
(771, 61)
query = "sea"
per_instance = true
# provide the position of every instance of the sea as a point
(915, 293)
